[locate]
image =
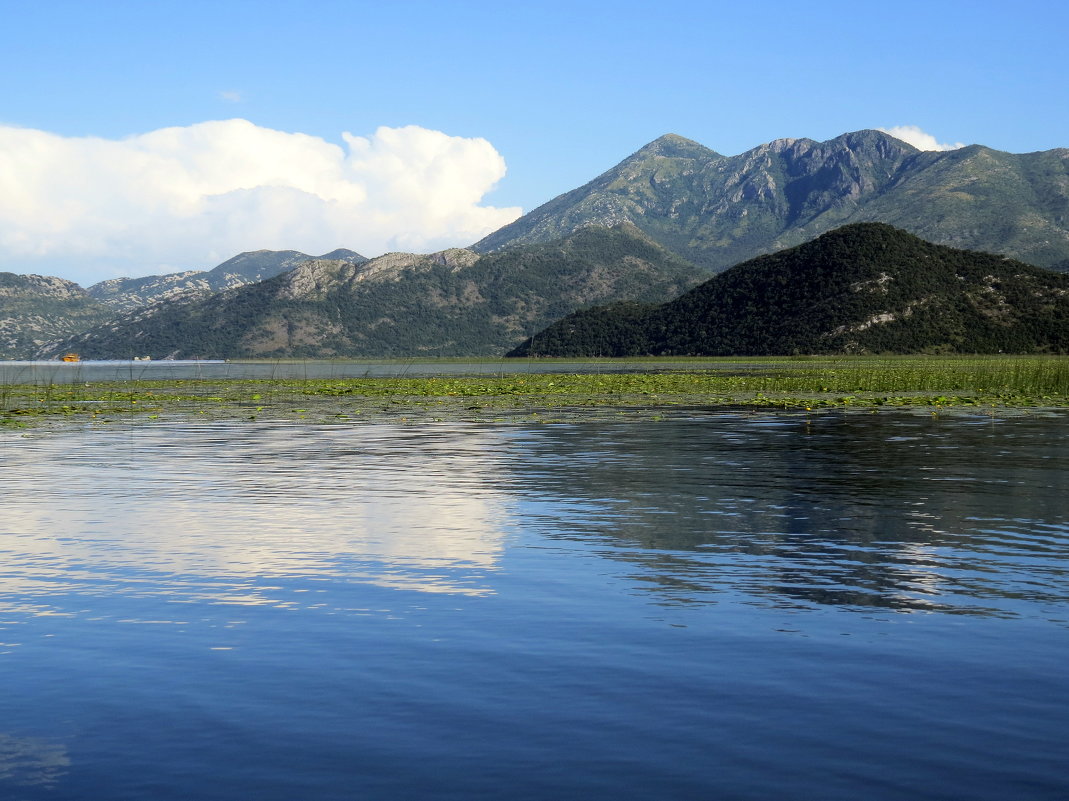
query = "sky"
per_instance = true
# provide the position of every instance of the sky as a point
(141, 138)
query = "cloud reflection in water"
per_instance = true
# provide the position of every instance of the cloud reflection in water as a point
(31, 762)
(222, 514)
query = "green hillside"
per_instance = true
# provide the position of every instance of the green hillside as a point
(863, 288)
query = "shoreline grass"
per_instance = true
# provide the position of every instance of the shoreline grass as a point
(800, 384)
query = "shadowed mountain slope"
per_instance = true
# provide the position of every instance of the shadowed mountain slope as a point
(863, 288)
(453, 303)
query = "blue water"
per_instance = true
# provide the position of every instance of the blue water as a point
(743, 607)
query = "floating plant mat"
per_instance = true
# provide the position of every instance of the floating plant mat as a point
(982, 383)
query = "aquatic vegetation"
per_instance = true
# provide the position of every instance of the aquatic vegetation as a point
(799, 384)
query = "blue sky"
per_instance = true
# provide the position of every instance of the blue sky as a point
(559, 91)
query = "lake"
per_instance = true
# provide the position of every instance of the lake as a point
(741, 606)
(43, 373)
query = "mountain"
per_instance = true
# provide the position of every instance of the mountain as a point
(341, 254)
(690, 210)
(36, 309)
(716, 211)
(862, 288)
(453, 303)
(126, 294)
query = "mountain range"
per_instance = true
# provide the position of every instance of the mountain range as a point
(717, 211)
(661, 221)
(126, 294)
(36, 310)
(862, 288)
(453, 303)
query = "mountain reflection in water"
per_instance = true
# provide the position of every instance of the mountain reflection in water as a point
(900, 512)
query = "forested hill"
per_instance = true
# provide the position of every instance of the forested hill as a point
(863, 288)
(716, 210)
(453, 303)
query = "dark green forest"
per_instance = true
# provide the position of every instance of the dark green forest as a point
(863, 288)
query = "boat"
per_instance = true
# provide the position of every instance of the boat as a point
(70, 357)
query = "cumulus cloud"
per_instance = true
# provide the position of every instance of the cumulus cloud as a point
(922, 140)
(191, 197)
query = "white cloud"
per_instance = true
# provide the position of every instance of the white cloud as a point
(913, 135)
(230, 96)
(191, 197)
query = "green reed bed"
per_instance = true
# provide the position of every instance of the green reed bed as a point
(1037, 378)
(996, 382)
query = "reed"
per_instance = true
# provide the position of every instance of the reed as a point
(858, 382)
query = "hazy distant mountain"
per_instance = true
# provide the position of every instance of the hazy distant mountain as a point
(863, 288)
(126, 294)
(36, 309)
(451, 303)
(717, 210)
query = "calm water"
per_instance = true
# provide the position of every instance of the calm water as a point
(53, 372)
(741, 607)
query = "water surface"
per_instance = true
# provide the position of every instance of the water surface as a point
(45, 373)
(742, 606)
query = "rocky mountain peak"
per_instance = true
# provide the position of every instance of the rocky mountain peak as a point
(673, 146)
(720, 210)
(344, 254)
(783, 145)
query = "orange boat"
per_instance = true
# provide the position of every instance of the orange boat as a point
(71, 357)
